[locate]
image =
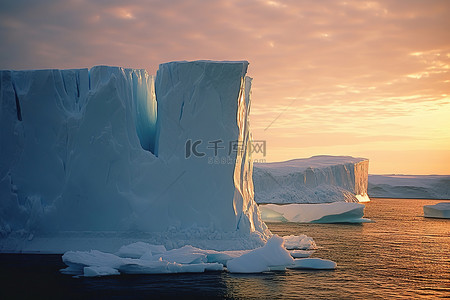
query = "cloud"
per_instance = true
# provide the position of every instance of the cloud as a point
(347, 62)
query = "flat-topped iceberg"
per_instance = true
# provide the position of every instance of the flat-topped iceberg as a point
(410, 186)
(337, 212)
(94, 159)
(319, 179)
(440, 210)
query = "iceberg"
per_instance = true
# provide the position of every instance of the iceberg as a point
(337, 212)
(97, 158)
(319, 179)
(409, 186)
(440, 210)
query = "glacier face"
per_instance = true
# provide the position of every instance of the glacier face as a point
(319, 179)
(87, 156)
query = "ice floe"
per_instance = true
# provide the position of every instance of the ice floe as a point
(138, 258)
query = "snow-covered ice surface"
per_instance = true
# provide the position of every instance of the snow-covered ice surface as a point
(143, 258)
(337, 212)
(440, 210)
(319, 179)
(409, 186)
(95, 159)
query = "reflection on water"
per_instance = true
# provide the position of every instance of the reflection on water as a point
(401, 255)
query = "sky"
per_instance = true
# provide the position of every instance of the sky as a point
(361, 78)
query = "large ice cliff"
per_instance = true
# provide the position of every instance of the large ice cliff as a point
(93, 159)
(319, 179)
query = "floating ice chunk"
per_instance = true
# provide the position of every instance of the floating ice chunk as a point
(136, 250)
(223, 256)
(78, 260)
(213, 267)
(301, 242)
(185, 255)
(313, 263)
(271, 256)
(188, 259)
(200, 268)
(440, 210)
(99, 271)
(301, 253)
(337, 212)
(277, 268)
(138, 266)
(72, 270)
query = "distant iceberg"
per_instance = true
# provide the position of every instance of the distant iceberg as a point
(440, 210)
(337, 212)
(318, 179)
(409, 186)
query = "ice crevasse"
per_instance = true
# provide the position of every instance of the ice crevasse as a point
(95, 159)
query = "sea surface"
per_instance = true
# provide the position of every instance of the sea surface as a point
(401, 255)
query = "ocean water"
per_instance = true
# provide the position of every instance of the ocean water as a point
(401, 255)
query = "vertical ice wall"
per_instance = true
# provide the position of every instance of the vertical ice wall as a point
(63, 135)
(206, 104)
(75, 164)
(38, 113)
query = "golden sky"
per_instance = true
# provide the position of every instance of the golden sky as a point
(360, 78)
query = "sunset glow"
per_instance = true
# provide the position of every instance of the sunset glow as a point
(360, 78)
